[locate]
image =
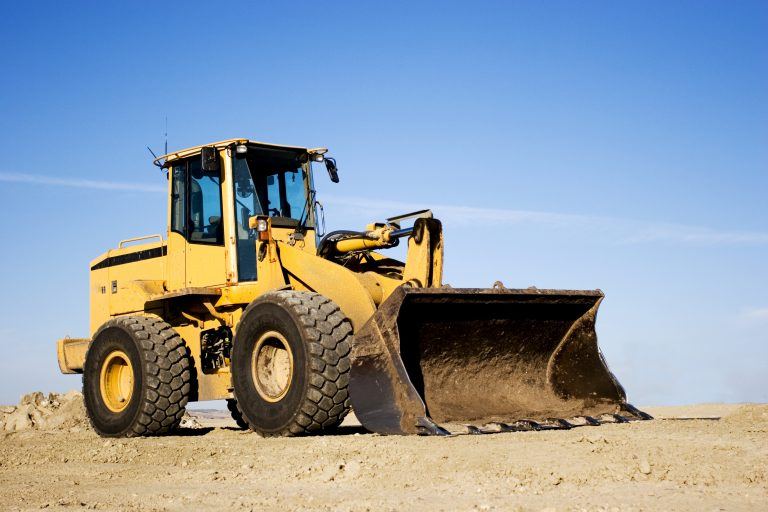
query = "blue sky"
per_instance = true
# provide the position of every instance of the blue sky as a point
(619, 146)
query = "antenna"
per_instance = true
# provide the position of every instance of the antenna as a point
(156, 158)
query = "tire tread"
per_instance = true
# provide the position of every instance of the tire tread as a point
(167, 374)
(328, 334)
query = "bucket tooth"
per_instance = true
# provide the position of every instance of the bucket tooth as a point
(560, 422)
(528, 425)
(631, 409)
(618, 418)
(427, 427)
(552, 424)
(592, 421)
(503, 427)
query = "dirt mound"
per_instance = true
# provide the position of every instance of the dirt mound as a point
(750, 417)
(52, 412)
(55, 411)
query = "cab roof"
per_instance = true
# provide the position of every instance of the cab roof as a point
(164, 160)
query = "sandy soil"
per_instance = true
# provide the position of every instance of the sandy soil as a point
(717, 462)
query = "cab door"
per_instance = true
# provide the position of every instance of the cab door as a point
(197, 228)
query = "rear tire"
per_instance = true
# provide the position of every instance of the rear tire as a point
(290, 364)
(136, 378)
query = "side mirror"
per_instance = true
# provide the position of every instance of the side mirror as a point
(333, 171)
(210, 159)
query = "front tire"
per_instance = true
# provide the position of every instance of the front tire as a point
(290, 364)
(136, 378)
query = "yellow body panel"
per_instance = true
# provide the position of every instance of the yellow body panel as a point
(175, 262)
(308, 272)
(206, 266)
(70, 353)
(123, 278)
(99, 289)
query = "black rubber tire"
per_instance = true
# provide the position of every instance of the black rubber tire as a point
(236, 414)
(320, 338)
(162, 376)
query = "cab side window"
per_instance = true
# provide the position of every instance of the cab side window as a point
(204, 223)
(196, 203)
(247, 205)
(179, 199)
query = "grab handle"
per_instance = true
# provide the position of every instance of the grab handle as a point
(146, 237)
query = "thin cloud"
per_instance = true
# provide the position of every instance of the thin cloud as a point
(619, 230)
(756, 313)
(14, 177)
(694, 234)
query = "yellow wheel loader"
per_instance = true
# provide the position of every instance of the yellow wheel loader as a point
(244, 300)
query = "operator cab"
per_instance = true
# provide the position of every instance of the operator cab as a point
(214, 192)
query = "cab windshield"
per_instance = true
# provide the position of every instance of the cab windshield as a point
(267, 182)
(271, 187)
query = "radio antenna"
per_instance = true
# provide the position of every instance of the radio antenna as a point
(156, 158)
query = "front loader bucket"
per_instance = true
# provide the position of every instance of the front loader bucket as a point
(433, 359)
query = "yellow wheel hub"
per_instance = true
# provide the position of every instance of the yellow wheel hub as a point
(272, 366)
(116, 381)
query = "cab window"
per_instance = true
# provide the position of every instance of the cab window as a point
(179, 199)
(196, 203)
(247, 204)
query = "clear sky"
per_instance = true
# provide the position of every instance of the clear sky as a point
(612, 145)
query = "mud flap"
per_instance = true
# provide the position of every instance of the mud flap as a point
(432, 358)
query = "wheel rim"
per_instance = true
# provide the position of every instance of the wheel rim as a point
(272, 366)
(116, 381)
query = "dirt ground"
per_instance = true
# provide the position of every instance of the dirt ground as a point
(704, 457)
